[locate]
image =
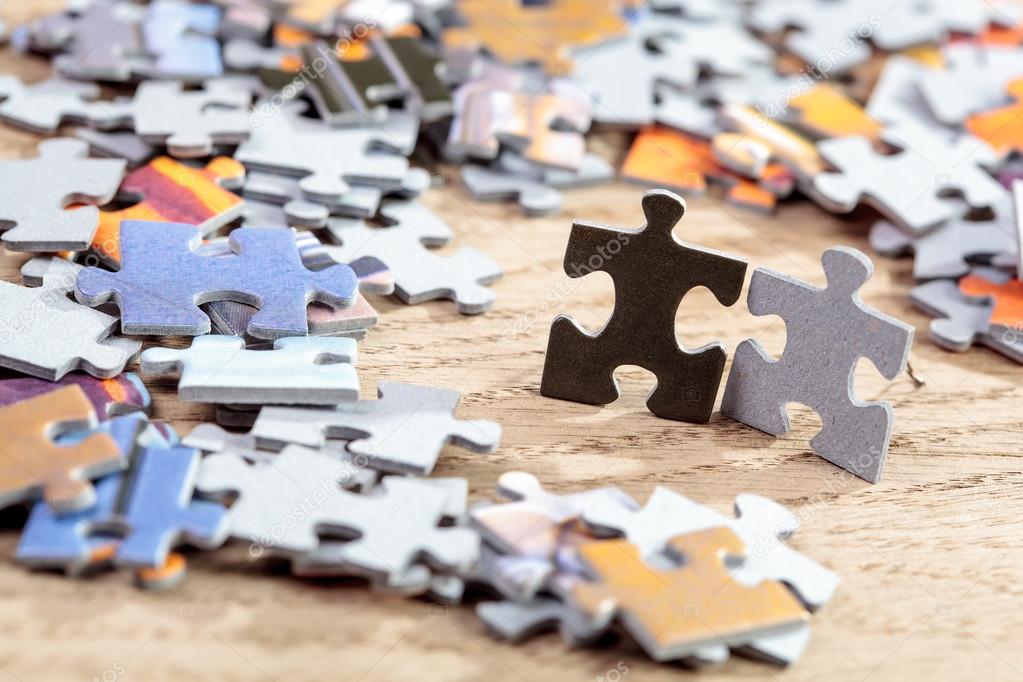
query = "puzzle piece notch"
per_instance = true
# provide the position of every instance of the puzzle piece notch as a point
(35, 194)
(656, 605)
(298, 371)
(652, 272)
(402, 431)
(419, 274)
(855, 434)
(36, 466)
(163, 281)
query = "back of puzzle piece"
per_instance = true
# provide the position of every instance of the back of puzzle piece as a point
(828, 330)
(163, 281)
(652, 272)
(403, 430)
(298, 371)
(35, 195)
(35, 466)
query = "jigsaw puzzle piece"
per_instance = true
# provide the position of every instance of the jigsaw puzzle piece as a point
(298, 371)
(35, 195)
(653, 604)
(1002, 129)
(55, 335)
(191, 122)
(972, 81)
(181, 43)
(109, 397)
(652, 271)
(358, 202)
(495, 184)
(157, 511)
(169, 191)
(419, 274)
(404, 430)
(855, 435)
(163, 281)
(43, 107)
(36, 466)
(114, 145)
(101, 40)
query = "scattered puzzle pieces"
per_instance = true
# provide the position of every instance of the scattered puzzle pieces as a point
(828, 330)
(652, 272)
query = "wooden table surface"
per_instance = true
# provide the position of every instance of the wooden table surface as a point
(930, 557)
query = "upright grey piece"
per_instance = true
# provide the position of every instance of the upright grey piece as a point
(828, 330)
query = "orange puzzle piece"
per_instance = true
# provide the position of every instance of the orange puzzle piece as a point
(660, 157)
(170, 191)
(671, 613)
(516, 33)
(32, 464)
(1008, 298)
(824, 112)
(757, 141)
(1002, 128)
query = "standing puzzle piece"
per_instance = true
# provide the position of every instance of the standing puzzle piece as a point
(157, 510)
(191, 122)
(35, 194)
(665, 158)
(965, 320)
(403, 431)
(35, 466)
(47, 335)
(1002, 128)
(169, 191)
(419, 275)
(912, 186)
(162, 281)
(301, 370)
(551, 28)
(394, 526)
(676, 613)
(652, 272)
(828, 330)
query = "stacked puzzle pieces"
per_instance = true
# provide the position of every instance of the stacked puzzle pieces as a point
(247, 183)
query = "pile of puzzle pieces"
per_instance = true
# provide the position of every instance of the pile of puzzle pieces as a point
(246, 181)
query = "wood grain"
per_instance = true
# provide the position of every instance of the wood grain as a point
(930, 557)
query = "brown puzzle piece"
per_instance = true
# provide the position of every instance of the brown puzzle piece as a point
(673, 612)
(31, 463)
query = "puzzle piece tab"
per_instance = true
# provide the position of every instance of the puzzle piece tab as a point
(652, 273)
(298, 371)
(828, 330)
(402, 431)
(163, 281)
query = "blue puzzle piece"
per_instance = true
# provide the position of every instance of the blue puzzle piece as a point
(162, 281)
(66, 541)
(158, 510)
(181, 39)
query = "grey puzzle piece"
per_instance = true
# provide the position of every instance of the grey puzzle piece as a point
(828, 330)
(353, 475)
(690, 112)
(48, 335)
(247, 55)
(100, 41)
(699, 43)
(127, 146)
(419, 274)
(403, 431)
(762, 524)
(592, 170)
(358, 202)
(973, 80)
(496, 184)
(910, 187)
(43, 107)
(947, 251)
(897, 98)
(35, 193)
(191, 122)
(300, 370)
(163, 281)
(964, 320)
(388, 531)
(328, 160)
